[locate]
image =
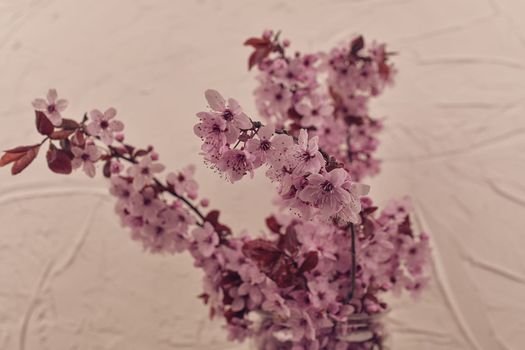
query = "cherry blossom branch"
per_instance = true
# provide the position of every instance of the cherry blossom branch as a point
(163, 187)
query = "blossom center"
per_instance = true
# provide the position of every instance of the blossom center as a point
(84, 156)
(227, 115)
(216, 128)
(51, 108)
(104, 124)
(327, 186)
(265, 145)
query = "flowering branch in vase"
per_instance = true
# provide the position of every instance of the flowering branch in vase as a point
(328, 254)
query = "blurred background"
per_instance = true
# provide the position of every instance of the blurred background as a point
(70, 277)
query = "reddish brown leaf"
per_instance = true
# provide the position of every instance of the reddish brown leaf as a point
(384, 70)
(69, 124)
(284, 273)
(21, 149)
(61, 134)
(65, 144)
(107, 168)
(258, 56)
(10, 157)
(58, 161)
(78, 139)
(141, 153)
(257, 42)
(294, 115)
(27, 158)
(273, 225)
(356, 45)
(353, 120)
(311, 259)
(43, 124)
(289, 241)
(405, 227)
(263, 252)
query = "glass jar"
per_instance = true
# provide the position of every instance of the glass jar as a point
(358, 332)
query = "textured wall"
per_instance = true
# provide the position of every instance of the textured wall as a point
(455, 140)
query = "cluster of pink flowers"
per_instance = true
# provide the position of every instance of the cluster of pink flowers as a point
(307, 182)
(325, 93)
(328, 255)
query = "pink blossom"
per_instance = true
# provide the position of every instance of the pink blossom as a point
(183, 182)
(144, 171)
(275, 304)
(306, 157)
(86, 158)
(273, 100)
(301, 325)
(121, 188)
(206, 239)
(231, 113)
(236, 163)
(52, 107)
(215, 133)
(325, 192)
(350, 211)
(280, 153)
(322, 293)
(103, 125)
(158, 237)
(314, 110)
(146, 204)
(261, 146)
(116, 167)
(253, 294)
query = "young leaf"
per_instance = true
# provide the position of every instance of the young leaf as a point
(356, 45)
(43, 124)
(273, 224)
(106, 170)
(58, 161)
(263, 47)
(69, 124)
(27, 158)
(10, 157)
(311, 259)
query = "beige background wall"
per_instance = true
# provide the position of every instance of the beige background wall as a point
(455, 139)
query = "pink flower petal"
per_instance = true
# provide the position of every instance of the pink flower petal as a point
(337, 177)
(61, 105)
(156, 167)
(52, 96)
(89, 169)
(40, 104)
(96, 115)
(107, 137)
(215, 100)
(55, 118)
(93, 128)
(360, 189)
(77, 152)
(110, 113)
(116, 125)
